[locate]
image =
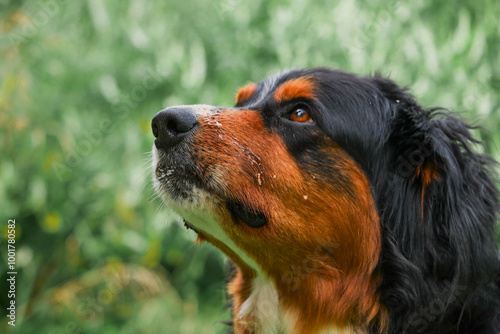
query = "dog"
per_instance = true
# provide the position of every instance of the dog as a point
(343, 205)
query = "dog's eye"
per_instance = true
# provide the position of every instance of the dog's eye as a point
(300, 114)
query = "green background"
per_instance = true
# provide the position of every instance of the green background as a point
(79, 83)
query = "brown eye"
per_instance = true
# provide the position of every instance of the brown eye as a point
(300, 114)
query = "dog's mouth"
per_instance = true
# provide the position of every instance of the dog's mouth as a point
(250, 217)
(176, 181)
(185, 186)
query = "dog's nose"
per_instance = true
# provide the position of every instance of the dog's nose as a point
(171, 125)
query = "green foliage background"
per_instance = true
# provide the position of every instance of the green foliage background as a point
(80, 82)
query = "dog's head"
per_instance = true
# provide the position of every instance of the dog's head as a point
(315, 176)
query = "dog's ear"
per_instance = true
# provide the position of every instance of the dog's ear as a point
(432, 148)
(438, 205)
(414, 153)
(426, 144)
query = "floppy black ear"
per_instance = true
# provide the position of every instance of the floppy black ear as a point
(412, 149)
(433, 146)
(426, 142)
(438, 206)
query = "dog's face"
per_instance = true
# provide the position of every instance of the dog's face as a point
(297, 181)
(267, 183)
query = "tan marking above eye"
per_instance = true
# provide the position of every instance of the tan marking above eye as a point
(245, 93)
(302, 87)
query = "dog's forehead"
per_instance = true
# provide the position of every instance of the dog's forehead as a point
(254, 96)
(269, 85)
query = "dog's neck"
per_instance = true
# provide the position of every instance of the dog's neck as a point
(259, 307)
(262, 311)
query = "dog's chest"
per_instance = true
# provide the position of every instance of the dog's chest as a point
(263, 312)
(262, 309)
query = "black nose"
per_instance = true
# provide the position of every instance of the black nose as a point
(171, 125)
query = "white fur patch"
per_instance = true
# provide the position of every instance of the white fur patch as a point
(263, 312)
(336, 330)
(262, 308)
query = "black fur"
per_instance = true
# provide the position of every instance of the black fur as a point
(440, 262)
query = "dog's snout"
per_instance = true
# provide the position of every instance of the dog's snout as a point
(171, 125)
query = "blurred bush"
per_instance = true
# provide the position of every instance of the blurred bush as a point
(80, 82)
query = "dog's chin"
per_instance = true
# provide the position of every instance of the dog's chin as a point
(185, 198)
(184, 192)
(176, 181)
(179, 189)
